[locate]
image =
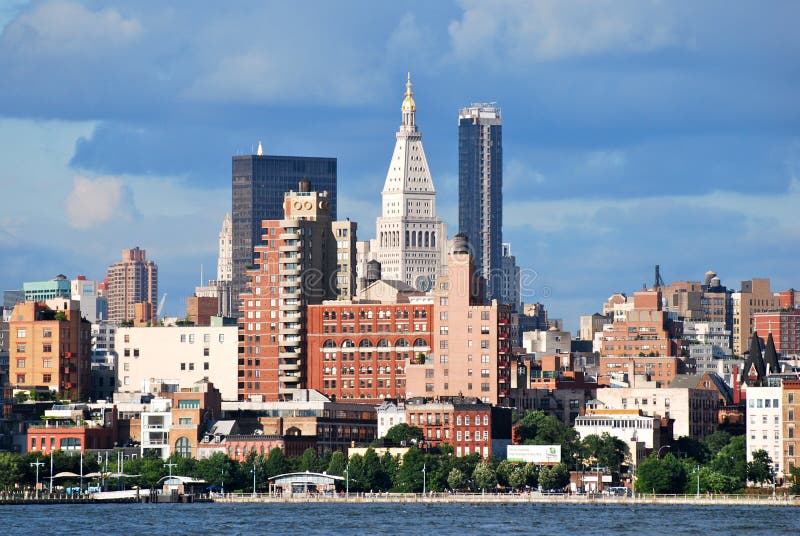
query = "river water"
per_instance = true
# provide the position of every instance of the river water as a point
(397, 518)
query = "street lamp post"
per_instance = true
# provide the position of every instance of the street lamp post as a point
(658, 455)
(254, 479)
(423, 480)
(222, 482)
(697, 470)
(347, 480)
(170, 465)
(37, 464)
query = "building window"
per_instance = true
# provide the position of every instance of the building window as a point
(47, 378)
(205, 352)
(20, 378)
(20, 363)
(205, 366)
(191, 366)
(21, 333)
(47, 347)
(183, 447)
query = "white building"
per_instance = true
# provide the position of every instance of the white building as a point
(630, 426)
(410, 240)
(178, 355)
(765, 424)
(694, 410)
(390, 414)
(93, 307)
(156, 424)
(547, 342)
(709, 337)
(221, 287)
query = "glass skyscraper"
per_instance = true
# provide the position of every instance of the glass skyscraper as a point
(480, 191)
(259, 183)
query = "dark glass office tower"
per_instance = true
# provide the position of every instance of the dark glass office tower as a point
(259, 182)
(480, 190)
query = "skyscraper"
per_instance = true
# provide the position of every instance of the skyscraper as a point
(410, 241)
(130, 281)
(480, 190)
(259, 182)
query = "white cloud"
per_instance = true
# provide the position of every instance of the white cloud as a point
(92, 202)
(545, 30)
(62, 29)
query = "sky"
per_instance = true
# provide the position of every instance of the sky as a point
(635, 132)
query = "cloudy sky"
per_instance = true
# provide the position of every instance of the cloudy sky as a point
(635, 132)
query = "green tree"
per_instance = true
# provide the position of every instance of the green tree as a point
(731, 460)
(517, 478)
(390, 464)
(216, 469)
(403, 434)
(667, 475)
(712, 482)
(375, 478)
(716, 442)
(409, 476)
(309, 461)
(503, 472)
(605, 451)
(538, 428)
(692, 448)
(456, 479)
(275, 464)
(355, 472)
(11, 471)
(484, 476)
(760, 469)
(337, 464)
(795, 480)
(554, 477)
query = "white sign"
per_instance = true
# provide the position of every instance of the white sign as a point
(544, 454)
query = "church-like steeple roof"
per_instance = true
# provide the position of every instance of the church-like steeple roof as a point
(771, 356)
(754, 370)
(408, 171)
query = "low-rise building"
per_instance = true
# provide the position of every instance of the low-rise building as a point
(465, 423)
(629, 425)
(74, 428)
(694, 411)
(790, 417)
(335, 425)
(390, 414)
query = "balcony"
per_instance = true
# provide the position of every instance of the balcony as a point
(290, 235)
(290, 247)
(290, 330)
(289, 367)
(288, 354)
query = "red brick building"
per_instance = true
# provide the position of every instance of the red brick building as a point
(301, 262)
(464, 423)
(359, 350)
(74, 428)
(657, 369)
(785, 329)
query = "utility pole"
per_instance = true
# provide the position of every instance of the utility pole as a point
(347, 479)
(254, 478)
(37, 464)
(697, 468)
(51, 471)
(423, 480)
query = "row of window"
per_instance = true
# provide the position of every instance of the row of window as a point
(380, 328)
(22, 333)
(443, 344)
(190, 337)
(367, 343)
(350, 315)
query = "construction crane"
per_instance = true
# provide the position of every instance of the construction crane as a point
(161, 305)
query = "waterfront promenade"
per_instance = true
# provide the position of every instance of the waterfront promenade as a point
(763, 500)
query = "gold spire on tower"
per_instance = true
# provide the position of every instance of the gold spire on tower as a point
(260, 150)
(408, 103)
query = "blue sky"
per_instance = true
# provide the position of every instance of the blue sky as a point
(635, 132)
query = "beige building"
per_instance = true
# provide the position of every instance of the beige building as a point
(593, 324)
(132, 280)
(790, 417)
(694, 410)
(177, 355)
(471, 353)
(754, 297)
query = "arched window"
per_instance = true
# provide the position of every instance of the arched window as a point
(419, 342)
(427, 239)
(413, 239)
(419, 238)
(407, 244)
(364, 343)
(330, 343)
(433, 239)
(383, 343)
(183, 447)
(402, 343)
(347, 343)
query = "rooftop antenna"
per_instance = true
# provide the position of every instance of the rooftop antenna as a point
(201, 274)
(659, 282)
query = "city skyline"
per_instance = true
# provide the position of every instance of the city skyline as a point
(594, 193)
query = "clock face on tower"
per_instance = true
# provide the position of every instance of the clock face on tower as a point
(423, 283)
